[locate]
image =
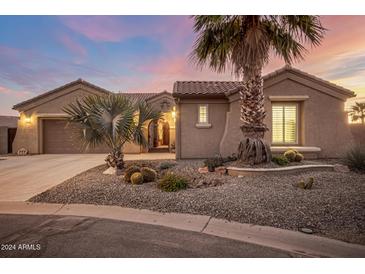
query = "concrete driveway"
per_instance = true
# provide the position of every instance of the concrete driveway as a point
(22, 177)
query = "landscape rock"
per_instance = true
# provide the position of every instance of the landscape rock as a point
(113, 171)
(221, 170)
(341, 168)
(203, 170)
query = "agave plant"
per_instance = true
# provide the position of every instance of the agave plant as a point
(243, 43)
(112, 120)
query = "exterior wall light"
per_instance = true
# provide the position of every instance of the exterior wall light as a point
(173, 114)
(27, 119)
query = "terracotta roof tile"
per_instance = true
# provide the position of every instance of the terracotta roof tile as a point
(204, 87)
(191, 88)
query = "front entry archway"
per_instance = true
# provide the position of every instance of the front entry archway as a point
(159, 136)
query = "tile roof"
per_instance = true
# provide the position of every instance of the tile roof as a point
(78, 81)
(137, 96)
(144, 95)
(9, 121)
(204, 87)
(224, 88)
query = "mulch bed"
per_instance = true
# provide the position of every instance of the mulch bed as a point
(334, 207)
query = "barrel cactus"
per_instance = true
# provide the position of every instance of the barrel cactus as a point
(290, 155)
(137, 178)
(149, 174)
(129, 171)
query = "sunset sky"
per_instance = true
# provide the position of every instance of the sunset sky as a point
(143, 54)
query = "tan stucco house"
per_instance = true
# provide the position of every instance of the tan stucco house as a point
(303, 111)
(43, 127)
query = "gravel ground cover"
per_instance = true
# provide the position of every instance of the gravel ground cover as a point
(334, 207)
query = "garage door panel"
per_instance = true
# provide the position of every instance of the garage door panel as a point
(60, 137)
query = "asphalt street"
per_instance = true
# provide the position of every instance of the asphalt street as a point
(69, 236)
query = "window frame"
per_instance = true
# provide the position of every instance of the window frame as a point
(199, 123)
(297, 126)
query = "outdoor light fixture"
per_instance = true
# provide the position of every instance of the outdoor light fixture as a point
(173, 114)
(27, 119)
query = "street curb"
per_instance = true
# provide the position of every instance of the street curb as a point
(287, 240)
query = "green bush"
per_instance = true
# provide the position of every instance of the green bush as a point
(129, 171)
(355, 159)
(149, 174)
(166, 165)
(172, 182)
(290, 155)
(137, 178)
(280, 160)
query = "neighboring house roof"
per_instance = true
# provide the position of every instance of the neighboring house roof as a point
(78, 81)
(224, 88)
(9, 121)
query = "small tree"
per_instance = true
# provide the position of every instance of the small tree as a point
(112, 120)
(357, 112)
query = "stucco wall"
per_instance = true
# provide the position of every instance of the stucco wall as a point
(322, 123)
(3, 140)
(201, 142)
(358, 133)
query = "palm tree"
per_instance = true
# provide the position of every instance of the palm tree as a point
(113, 120)
(243, 43)
(357, 112)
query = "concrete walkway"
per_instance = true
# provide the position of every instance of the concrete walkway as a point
(289, 241)
(22, 177)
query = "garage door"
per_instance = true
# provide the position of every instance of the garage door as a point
(63, 138)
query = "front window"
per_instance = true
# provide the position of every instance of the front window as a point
(285, 123)
(203, 114)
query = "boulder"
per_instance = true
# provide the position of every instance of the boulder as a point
(113, 171)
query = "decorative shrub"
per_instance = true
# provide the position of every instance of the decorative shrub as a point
(280, 160)
(137, 178)
(290, 155)
(172, 182)
(211, 164)
(355, 159)
(299, 157)
(149, 174)
(214, 162)
(129, 171)
(166, 165)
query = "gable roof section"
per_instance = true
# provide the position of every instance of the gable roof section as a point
(53, 91)
(144, 96)
(208, 88)
(224, 88)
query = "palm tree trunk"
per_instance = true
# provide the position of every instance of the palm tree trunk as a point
(115, 158)
(253, 149)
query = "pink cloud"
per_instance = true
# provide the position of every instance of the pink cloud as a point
(15, 93)
(101, 28)
(72, 45)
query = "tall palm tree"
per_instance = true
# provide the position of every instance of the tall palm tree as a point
(243, 44)
(112, 120)
(357, 112)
